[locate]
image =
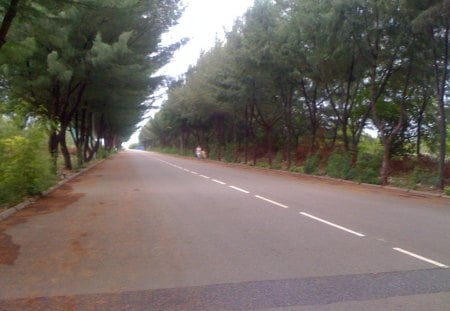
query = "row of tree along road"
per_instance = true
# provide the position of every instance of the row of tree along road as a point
(302, 81)
(75, 73)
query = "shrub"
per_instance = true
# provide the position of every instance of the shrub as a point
(312, 165)
(277, 161)
(262, 164)
(447, 191)
(367, 168)
(423, 177)
(296, 169)
(103, 153)
(25, 165)
(339, 165)
(229, 154)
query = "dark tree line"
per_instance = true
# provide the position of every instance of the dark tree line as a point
(306, 77)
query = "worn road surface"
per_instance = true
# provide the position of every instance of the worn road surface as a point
(144, 231)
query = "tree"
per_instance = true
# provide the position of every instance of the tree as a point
(89, 67)
(8, 16)
(432, 20)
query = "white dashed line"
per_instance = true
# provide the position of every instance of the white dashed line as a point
(333, 225)
(239, 189)
(218, 181)
(440, 265)
(430, 261)
(270, 201)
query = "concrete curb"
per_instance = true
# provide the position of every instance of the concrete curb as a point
(10, 211)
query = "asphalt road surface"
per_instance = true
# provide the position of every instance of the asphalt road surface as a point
(144, 231)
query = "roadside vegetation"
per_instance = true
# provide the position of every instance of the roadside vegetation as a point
(351, 89)
(25, 166)
(75, 79)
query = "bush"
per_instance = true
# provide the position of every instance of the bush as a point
(277, 161)
(422, 177)
(102, 153)
(367, 168)
(229, 156)
(312, 165)
(339, 165)
(25, 165)
(296, 169)
(447, 190)
(262, 164)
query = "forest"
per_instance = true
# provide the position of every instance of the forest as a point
(353, 89)
(75, 79)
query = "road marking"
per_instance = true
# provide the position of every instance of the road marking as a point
(333, 225)
(207, 177)
(186, 170)
(270, 201)
(441, 265)
(195, 173)
(239, 189)
(218, 181)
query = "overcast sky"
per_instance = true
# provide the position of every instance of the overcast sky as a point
(202, 22)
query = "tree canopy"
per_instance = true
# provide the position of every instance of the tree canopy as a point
(308, 78)
(86, 67)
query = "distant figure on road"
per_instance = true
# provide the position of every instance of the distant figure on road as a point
(198, 152)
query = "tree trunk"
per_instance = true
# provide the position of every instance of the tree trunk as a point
(64, 150)
(269, 140)
(7, 21)
(419, 128)
(247, 135)
(443, 144)
(53, 143)
(386, 164)
(441, 82)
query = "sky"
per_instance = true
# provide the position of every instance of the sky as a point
(202, 22)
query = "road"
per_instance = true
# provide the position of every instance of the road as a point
(145, 231)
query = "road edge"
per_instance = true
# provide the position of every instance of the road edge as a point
(12, 210)
(325, 178)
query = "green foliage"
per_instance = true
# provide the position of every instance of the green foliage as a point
(25, 165)
(57, 68)
(423, 177)
(367, 168)
(103, 153)
(309, 72)
(339, 165)
(229, 154)
(296, 169)
(277, 162)
(311, 165)
(88, 66)
(262, 164)
(447, 191)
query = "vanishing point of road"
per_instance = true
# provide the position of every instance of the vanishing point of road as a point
(145, 231)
